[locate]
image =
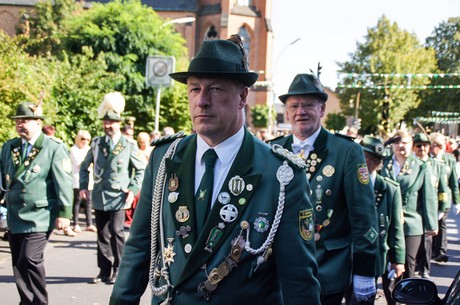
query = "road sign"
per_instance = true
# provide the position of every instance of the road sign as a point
(158, 69)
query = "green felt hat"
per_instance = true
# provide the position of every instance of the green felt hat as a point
(218, 58)
(421, 138)
(28, 110)
(305, 84)
(374, 146)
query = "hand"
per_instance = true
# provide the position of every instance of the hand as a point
(398, 268)
(363, 287)
(431, 233)
(129, 198)
(84, 194)
(440, 215)
(62, 223)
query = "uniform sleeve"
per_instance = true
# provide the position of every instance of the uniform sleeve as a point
(294, 246)
(137, 164)
(360, 201)
(133, 274)
(429, 202)
(397, 252)
(61, 168)
(443, 202)
(84, 168)
(453, 183)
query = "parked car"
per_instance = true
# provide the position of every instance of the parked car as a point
(424, 292)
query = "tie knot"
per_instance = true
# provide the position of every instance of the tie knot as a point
(210, 158)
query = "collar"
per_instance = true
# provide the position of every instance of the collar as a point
(373, 176)
(33, 140)
(310, 140)
(226, 150)
(115, 139)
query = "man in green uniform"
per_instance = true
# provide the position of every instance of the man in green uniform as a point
(392, 254)
(439, 180)
(244, 234)
(417, 193)
(346, 221)
(437, 151)
(118, 172)
(36, 177)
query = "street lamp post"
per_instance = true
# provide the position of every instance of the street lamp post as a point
(272, 103)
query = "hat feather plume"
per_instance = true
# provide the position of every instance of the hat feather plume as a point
(113, 102)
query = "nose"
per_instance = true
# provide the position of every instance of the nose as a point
(203, 100)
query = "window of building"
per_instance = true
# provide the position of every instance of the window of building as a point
(244, 2)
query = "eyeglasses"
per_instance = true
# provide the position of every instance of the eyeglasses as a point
(421, 145)
(304, 106)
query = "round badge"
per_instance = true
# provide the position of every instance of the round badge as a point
(317, 236)
(328, 170)
(236, 185)
(319, 178)
(244, 225)
(313, 156)
(319, 208)
(328, 192)
(36, 169)
(188, 248)
(313, 162)
(228, 213)
(223, 197)
(249, 187)
(261, 224)
(182, 214)
(172, 197)
(242, 201)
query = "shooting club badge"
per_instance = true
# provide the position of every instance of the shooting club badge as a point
(306, 224)
(363, 174)
(236, 185)
(182, 214)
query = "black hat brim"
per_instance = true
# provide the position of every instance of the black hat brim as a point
(246, 78)
(322, 96)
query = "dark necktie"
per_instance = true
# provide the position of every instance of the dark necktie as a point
(203, 195)
(25, 150)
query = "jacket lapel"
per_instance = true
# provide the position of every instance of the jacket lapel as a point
(318, 155)
(241, 167)
(38, 145)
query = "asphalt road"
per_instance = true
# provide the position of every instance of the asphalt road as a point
(70, 264)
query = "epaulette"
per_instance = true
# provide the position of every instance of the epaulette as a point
(274, 139)
(279, 151)
(395, 183)
(350, 138)
(167, 138)
(56, 140)
(132, 141)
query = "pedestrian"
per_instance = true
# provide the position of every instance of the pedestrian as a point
(118, 170)
(36, 176)
(438, 152)
(392, 249)
(77, 154)
(243, 235)
(346, 220)
(421, 148)
(417, 193)
(128, 131)
(168, 131)
(49, 130)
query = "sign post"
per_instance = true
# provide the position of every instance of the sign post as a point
(157, 73)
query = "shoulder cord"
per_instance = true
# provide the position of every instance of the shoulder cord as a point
(157, 222)
(284, 174)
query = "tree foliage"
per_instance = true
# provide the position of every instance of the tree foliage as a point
(335, 121)
(445, 40)
(127, 33)
(386, 51)
(259, 115)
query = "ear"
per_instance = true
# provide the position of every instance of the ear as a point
(244, 91)
(323, 109)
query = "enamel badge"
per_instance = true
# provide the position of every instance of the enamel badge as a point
(306, 224)
(363, 174)
(236, 185)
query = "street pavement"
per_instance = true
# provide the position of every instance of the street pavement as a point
(70, 264)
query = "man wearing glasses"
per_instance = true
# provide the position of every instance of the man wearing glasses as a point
(346, 220)
(439, 179)
(437, 151)
(36, 178)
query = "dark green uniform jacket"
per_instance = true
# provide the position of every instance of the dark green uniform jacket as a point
(115, 170)
(439, 181)
(417, 193)
(38, 189)
(452, 181)
(346, 219)
(390, 220)
(288, 274)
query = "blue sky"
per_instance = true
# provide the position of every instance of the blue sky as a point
(329, 30)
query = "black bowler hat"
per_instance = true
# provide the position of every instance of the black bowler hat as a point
(421, 138)
(305, 84)
(218, 58)
(28, 110)
(374, 146)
